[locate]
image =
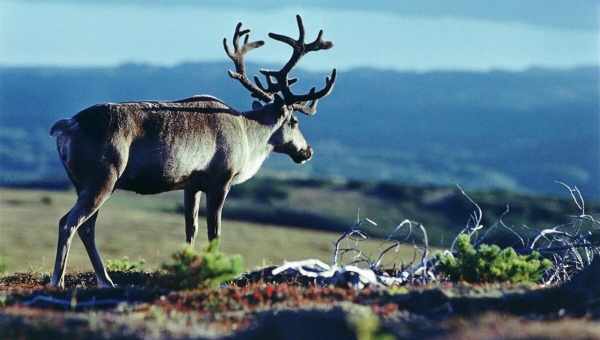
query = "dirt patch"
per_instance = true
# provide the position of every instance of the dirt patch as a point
(143, 306)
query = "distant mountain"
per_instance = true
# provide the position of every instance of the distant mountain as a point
(511, 130)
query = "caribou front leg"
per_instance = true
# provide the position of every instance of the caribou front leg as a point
(215, 197)
(191, 203)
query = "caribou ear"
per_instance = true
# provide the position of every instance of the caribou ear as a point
(278, 106)
(278, 100)
(256, 105)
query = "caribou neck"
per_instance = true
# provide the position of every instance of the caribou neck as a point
(260, 125)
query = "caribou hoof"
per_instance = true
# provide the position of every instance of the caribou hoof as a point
(105, 284)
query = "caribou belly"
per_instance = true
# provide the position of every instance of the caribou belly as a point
(153, 168)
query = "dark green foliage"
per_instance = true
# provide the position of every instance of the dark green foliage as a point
(210, 268)
(490, 263)
(124, 264)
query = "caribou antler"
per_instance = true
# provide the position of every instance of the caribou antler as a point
(278, 81)
(238, 60)
(306, 103)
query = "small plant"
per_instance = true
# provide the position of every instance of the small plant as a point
(490, 263)
(365, 324)
(210, 268)
(124, 264)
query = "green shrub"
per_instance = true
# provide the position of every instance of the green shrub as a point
(490, 263)
(210, 268)
(124, 264)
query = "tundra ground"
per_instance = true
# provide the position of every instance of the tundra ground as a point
(143, 306)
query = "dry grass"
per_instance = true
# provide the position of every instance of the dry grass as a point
(142, 227)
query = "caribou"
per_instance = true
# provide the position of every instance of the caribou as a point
(198, 145)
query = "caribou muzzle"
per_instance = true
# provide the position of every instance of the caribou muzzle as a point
(302, 156)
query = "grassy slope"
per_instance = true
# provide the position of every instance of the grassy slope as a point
(141, 226)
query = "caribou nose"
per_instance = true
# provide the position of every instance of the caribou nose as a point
(309, 152)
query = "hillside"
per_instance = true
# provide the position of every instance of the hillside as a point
(512, 130)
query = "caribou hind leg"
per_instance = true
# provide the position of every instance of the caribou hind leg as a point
(87, 234)
(90, 199)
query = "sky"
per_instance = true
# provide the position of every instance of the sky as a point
(419, 35)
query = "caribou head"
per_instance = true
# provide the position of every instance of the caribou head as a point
(275, 99)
